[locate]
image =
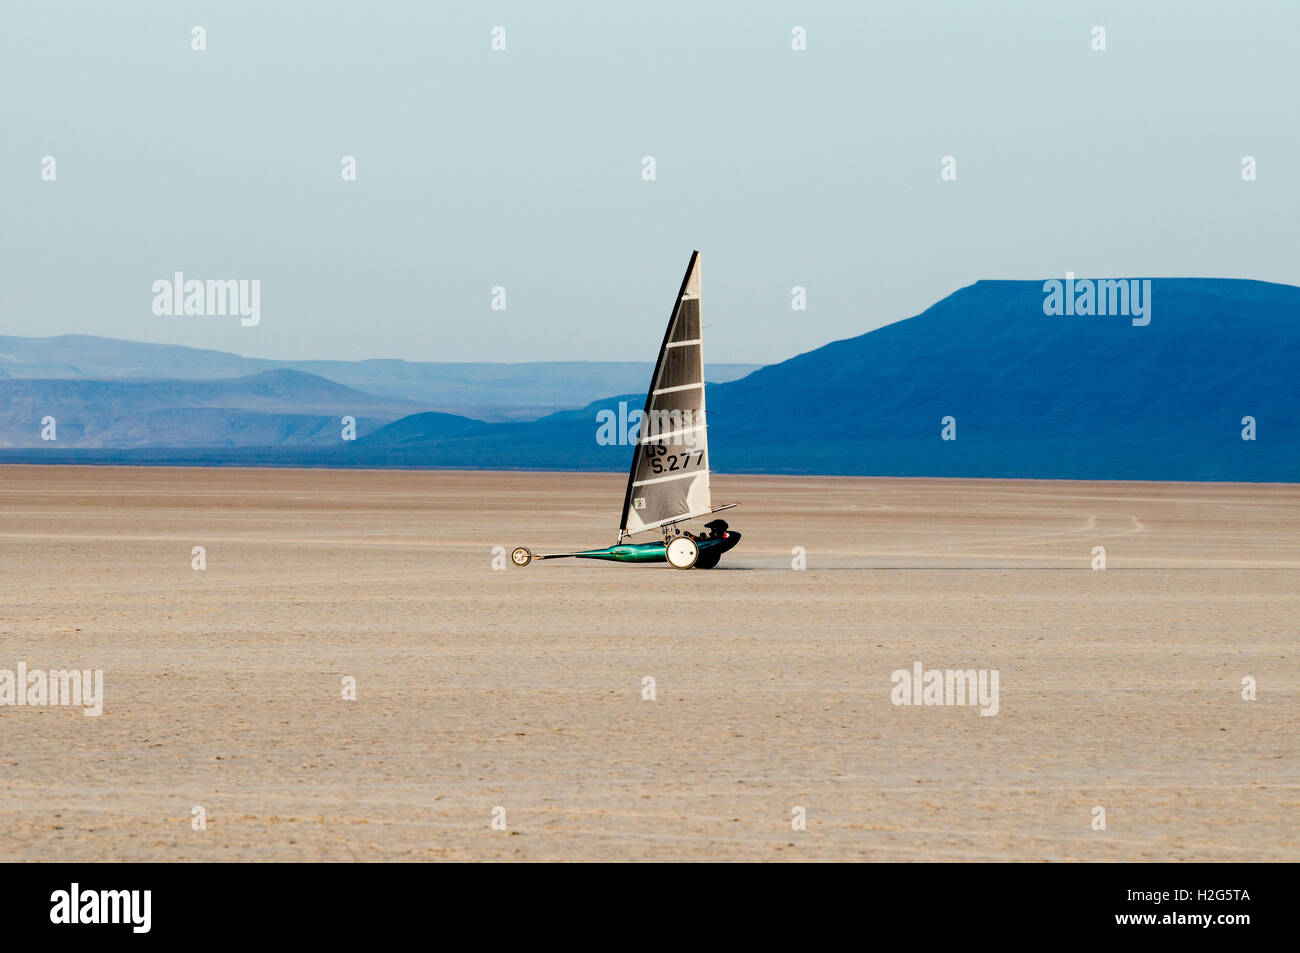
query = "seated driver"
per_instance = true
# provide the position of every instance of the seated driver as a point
(717, 529)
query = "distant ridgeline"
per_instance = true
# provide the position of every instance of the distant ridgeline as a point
(1072, 378)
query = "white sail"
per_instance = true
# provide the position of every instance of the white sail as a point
(669, 480)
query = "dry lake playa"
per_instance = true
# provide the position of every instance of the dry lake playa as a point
(478, 688)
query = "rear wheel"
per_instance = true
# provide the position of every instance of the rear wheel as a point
(708, 559)
(521, 556)
(682, 552)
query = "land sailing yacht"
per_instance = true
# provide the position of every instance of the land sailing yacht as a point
(669, 480)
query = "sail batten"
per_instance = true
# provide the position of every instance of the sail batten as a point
(665, 479)
(669, 478)
(675, 433)
(673, 390)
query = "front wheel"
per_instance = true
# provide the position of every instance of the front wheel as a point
(521, 556)
(682, 552)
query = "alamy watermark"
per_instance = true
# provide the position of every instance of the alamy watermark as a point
(129, 907)
(680, 427)
(177, 297)
(1102, 297)
(946, 687)
(36, 688)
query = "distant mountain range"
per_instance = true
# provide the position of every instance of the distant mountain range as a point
(484, 391)
(1029, 395)
(280, 408)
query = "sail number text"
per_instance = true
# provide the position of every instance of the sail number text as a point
(661, 461)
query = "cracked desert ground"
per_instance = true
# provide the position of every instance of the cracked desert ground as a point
(522, 688)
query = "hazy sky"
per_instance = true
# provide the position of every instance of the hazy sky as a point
(523, 168)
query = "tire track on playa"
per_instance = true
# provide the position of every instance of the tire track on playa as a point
(1042, 539)
(1081, 533)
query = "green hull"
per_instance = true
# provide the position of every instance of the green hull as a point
(710, 551)
(629, 553)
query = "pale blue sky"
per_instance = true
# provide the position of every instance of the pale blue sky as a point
(522, 168)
